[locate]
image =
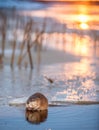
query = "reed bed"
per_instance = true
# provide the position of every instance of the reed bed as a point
(27, 35)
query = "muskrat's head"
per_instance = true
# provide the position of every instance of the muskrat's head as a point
(33, 104)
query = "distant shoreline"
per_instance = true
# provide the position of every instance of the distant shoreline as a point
(68, 1)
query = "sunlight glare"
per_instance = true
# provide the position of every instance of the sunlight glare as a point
(83, 18)
(84, 26)
(81, 49)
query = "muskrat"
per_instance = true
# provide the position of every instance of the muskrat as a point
(37, 102)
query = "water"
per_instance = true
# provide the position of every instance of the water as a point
(71, 28)
(72, 82)
(68, 27)
(57, 118)
(76, 85)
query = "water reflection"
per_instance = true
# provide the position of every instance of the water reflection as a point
(36, 117)
(83, 19)
(84, 26)
(80, 84)
(82, 47)
(73, 29)
(72, 82)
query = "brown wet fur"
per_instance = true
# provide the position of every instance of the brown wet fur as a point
(41, 101)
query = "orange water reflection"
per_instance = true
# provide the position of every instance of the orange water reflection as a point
(83, 19)
(84, 26)
(78, 19)
(80, 84)
(70, 14)
(72, 43)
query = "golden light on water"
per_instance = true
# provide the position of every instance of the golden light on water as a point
(83, 9)
(80, 17)
(81, 49)
(84, 90)
(84, 49)
(83, 18)
(84, 26)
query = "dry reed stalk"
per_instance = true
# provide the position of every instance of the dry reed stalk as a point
(38, 53)
(64, 36)
(29, 30)
(22, 45)
(95, 45)
(13, 53)
(39, 43)
(4, 33)
(27, 38)
(29, 53)
(14, 44)
(36, 39)
(1, 60)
